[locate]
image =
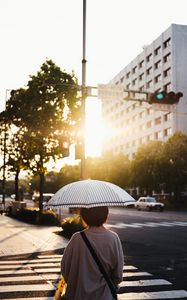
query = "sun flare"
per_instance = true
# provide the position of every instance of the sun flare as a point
(93, 128)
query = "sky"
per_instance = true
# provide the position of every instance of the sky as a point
(116, 31)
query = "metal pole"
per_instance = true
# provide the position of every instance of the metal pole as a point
(83, 163)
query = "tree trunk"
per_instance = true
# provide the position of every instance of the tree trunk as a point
(17, 185)
(41, 190)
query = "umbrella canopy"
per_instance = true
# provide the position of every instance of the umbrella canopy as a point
(90, 193)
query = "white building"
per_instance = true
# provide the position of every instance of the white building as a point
(160, 66)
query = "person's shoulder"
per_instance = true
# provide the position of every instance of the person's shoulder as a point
(76, 236)
(112, 234)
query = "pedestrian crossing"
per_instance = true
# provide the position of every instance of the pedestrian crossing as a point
(35, 278)
(147, 224)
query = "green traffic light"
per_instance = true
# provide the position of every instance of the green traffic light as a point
(160, 96)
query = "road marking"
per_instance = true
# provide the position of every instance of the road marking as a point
(26, 287)
(145, 282)
(153, 295)
(22, 266)
(34, 298)
(29, 261)
(21, 278)
(51, 256)
(129, 267)
(29, 276)
(146, 224)
(181, 223)
(135, 274)
(12, 272)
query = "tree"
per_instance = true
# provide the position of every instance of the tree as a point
(145, 167)
(175, 164)
(45, 110)
(112, 168)
(16, 157)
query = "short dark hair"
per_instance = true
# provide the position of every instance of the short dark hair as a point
(94, 216)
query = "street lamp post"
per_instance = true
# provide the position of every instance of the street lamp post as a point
(83, 163)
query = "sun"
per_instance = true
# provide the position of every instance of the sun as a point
(94, 136)
(93, 128)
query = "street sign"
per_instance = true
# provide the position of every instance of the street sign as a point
(164, 107)
(110, 92)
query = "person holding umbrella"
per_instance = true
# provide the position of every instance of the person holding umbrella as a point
(92, 263)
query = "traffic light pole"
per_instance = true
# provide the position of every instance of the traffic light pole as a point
(84, 94)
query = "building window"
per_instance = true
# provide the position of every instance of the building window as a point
(128, 86)
(122, 79)
(167, 43)
(167, 132)
(149, 57)
(128, 75)
(158, 121)
(149, 71)
(149, 84)
(167, 57)
(149, 124)
(156, 135)
(134, 70)
(141, 88)
(158, 78)
(157, 50)
(141, 64)
(141, 76)
(134, 106)
(134, 81)
(167, 87)
(159, 135)
(158, 64)
(167, 117)
(167, 72)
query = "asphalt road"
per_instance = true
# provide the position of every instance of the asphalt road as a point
(154, 241)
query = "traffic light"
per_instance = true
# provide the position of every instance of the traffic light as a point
(65, 148)
(164, 97)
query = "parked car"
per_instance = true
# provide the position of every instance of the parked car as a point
(149, 203)
(46, 197)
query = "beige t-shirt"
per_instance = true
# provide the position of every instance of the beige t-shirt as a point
(83, 277)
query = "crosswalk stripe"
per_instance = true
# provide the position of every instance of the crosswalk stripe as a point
(35, 265)
(50, 256)
(154, 295)
(144, 283)
(125, 267)
(146, 224)
(26, 287)
(3, 262)
(34, 298)
(12, 272)
(20, 278)
(135, 274)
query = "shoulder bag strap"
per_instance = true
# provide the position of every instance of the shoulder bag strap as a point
(100, 266)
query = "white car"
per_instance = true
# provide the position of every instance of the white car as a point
(149, 203)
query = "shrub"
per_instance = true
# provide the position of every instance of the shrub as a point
(34, 216)
(71, 225)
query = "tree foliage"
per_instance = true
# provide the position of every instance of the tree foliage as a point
(44, 111)
(145, 167)
(175, 163)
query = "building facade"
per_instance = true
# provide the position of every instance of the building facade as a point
(162, 65)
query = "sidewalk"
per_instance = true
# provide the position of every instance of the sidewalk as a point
(20, 238)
